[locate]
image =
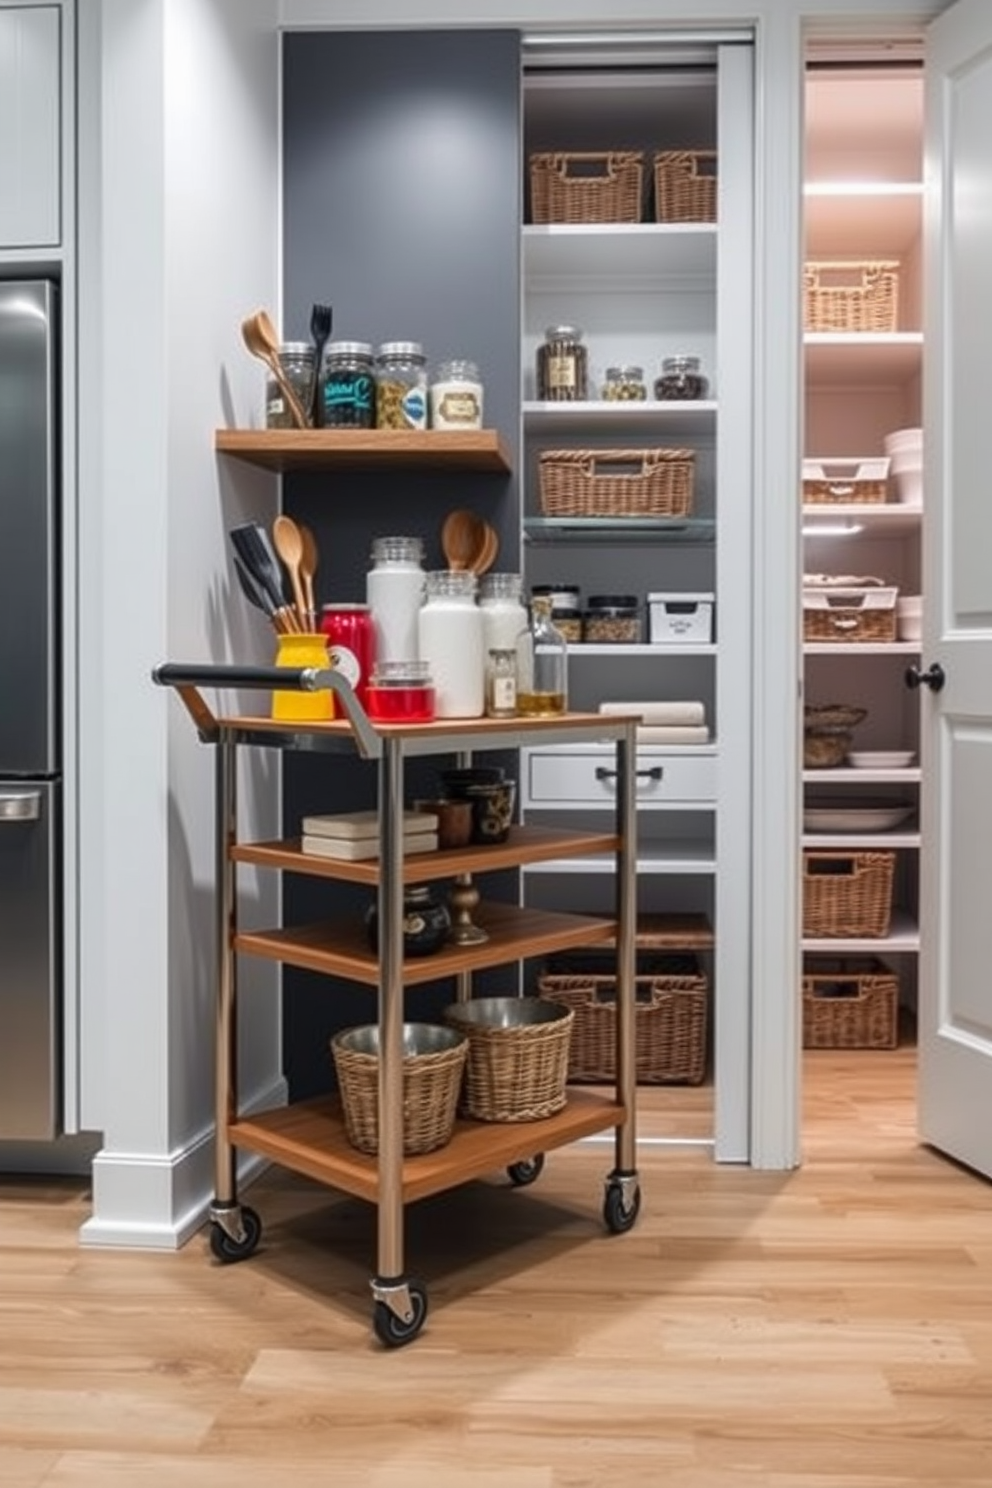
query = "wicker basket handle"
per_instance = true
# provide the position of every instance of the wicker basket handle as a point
(836, 866)
(838, 989)
(593, 165)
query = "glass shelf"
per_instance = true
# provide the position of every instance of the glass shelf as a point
(700, 530)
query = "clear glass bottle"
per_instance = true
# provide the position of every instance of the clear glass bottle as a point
(504, 614)
(501, 682)
(542, 664)
(456, 396)
(400, 386)
(450, 637)
(349, 385)
(394, 590)
(296, 361)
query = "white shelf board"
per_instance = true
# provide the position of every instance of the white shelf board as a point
(582, 649)
(862, 359)
(884, 218)
(619, 252)
(904, 935)
(861, 840)
(886, 519)
(600, 417)
(861, 648)
(677, 857)
(848, 775)
(608, 747)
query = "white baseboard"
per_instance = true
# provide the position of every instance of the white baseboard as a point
(148, 1201)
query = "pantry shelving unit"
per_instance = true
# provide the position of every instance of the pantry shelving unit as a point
(308, 1136)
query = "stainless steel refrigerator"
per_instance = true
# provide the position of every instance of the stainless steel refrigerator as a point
(30, 722)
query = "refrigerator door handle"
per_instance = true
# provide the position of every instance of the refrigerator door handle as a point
(20, 806)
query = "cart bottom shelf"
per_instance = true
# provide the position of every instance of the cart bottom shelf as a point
(309, 1137)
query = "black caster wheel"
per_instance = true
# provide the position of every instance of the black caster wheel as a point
(226, 1249)
(618, 1216)
(391, 1330)
(526, 1171)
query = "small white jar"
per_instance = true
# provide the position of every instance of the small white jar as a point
(456, 396)
(503, 613)
(450, 632)
(394, 590)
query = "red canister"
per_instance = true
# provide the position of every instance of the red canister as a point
(350, 636)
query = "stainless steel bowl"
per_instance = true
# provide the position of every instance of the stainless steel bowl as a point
(506, 1012)
(418, 1038)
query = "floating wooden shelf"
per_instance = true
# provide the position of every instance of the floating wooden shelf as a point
(366, 449)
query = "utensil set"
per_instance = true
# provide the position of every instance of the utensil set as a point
(260, 575)
(262, 340)
(469, 543)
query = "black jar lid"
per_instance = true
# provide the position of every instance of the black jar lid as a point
(611, 602)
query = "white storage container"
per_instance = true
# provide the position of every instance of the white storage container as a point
(854, 480)
(677, 618)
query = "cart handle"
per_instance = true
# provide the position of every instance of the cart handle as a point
(185, 677)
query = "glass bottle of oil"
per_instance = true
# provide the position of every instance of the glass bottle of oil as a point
(542, 664)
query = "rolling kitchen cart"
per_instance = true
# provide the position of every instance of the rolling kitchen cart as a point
(309, 1136)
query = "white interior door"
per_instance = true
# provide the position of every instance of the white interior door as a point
(955, 1056)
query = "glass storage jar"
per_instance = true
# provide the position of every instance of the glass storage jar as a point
(501, 682)
(401, 692)
(349, 385)
(624, 385)
(542, 664)
(394, 590)
(504, 615)
(456, 396)
(450, 634)
(681, 380)
(296, 361)
(562, 366)
(400, 386)
(612, 619)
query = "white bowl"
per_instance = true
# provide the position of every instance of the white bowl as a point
(903, 439)
(881, 759)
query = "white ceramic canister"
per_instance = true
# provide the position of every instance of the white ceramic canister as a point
(503, 613)
(450, 628)
(394, 590)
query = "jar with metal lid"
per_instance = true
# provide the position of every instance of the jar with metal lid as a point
(681, 380)
(401, 692)
(612, 619)
(350, 632)
(503, 612)
(624, 385)
(501, 682)
(394, 589)
(296, 361)
(564, 598)
(400, 386)
(449, 629)
(349, 385)
(456, 396)
(562, 366)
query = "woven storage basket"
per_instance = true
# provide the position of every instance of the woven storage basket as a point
(849, 614)
(850, 1003)
(824, 749)
(586, 186)
(515, 1071)
(431, 1084)
(685, 186)
(617, 482)
(843, 296)
(858, 482)
(670, 1017)
(847, 893)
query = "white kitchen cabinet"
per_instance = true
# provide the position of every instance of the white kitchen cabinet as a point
(641, 292)
(30, 126)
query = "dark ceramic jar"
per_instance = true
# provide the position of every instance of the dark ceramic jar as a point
(426, 922)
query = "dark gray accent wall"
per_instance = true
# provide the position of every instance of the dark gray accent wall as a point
(403, 181)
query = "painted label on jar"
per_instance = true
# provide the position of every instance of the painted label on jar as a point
(459, 407)
(350, 393)
(347, 663)
(561, 372)
(415, 408)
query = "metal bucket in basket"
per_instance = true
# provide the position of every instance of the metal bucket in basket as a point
(517, 1056)
(433, 1064)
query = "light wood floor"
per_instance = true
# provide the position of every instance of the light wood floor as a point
(829, 1328)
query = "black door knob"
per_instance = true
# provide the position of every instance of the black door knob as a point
(934, 677)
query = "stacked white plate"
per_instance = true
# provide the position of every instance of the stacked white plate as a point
(881, 759)
(905, 450)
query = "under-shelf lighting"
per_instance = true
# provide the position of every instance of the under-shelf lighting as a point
(832, 529)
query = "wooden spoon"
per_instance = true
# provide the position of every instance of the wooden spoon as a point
(308, 568)
(488, 553)
(289, 545)
(462, 537)
(259, 336)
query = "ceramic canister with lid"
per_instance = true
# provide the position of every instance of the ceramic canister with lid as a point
(394, 590)
(503, 613)
(450, 631)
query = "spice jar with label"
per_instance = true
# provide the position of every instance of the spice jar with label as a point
(562, 366)
(349, 385)
(296, 361)
(501, 682)
(401, 386)
(681, 380)
(624, 385)
(456, 396)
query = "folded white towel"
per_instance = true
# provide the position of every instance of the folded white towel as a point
(673, 734)
(660, 713)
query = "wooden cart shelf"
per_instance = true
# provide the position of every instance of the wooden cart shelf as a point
(341, 949)
(366, 449)
(309, 1137)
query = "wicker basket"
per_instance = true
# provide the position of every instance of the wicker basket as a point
(685, 186)
(517, 1057)
(855, 614)
(825, 749)
(850, 1003)
(586, 186)
(847, 893)
(670, 1016)
(433, 1066)
(617, 482)
(858, 482)
(844, 296)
